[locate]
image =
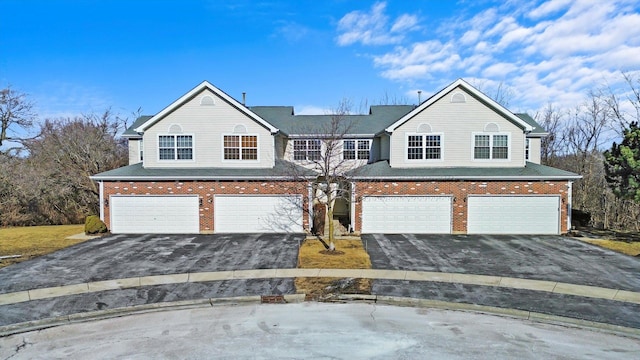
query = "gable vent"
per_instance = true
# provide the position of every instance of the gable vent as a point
(175, 128)
(240, 129)
(491, 127)
(458, 98)
(207, 101)
(424, 128)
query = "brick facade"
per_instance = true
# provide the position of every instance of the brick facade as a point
(205, 191)
(459, 190)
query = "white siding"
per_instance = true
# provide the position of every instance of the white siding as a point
(534, 150)
(207, 124)
(457, 122)
(134, 151)
(343, 165)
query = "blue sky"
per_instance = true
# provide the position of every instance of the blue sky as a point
(74, 57)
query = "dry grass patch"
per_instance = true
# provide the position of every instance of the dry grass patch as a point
(33, 241)
(629, 248)
(350, 254)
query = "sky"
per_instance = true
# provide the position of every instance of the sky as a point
(79, 57)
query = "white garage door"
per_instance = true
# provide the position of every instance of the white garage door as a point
(258, 214)
(154, 214)
(406, 214)
(513, 215)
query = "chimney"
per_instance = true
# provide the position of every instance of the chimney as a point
(244, 98)
(419, 93)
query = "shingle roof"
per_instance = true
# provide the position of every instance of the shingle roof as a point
(531, 171)
(537, 129)
(139, 121)
(379, 117)
(281, 171)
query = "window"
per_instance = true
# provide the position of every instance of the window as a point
(175, 147)
(141, 149)
(240, 147)
(491, 147)
(306, 149)
(424, 147)
(356, 149)
(526, 149)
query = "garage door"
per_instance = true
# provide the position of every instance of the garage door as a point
(258, 214)
(406, 214)
(513, 215)
(154, 214)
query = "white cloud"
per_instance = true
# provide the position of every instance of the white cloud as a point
(311, 110)
(372, 28)
(544, 51)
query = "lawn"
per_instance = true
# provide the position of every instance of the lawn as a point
(350, 254)
(33, 241)
(626, 242)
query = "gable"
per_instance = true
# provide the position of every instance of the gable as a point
(451, 94)
(206, 95)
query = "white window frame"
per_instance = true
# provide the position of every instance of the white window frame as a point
(141, 149)
(241, 160)
(175, 148)
(356, 149)
(527, 149)
(306, 150)
(491, 137)
(424, 147)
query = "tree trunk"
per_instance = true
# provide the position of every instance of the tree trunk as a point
(332, 245)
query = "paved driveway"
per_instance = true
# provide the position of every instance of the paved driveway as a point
(553, 258)
(123, 256)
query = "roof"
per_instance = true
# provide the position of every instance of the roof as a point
(284, 118)
(471, 90)
(536, 129)
(283, 170)
(205, 85)
(382, 171)
(130, 132)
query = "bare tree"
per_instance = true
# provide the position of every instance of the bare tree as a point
(324, 156)
(552, 145)
(16, 117)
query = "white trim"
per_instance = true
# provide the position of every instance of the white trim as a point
(205, 85)
(240, 161)
(101, 197)
(424, 147)
(491, 135)
(141, 150)
(475, 92)
(569, 203)
(175, 147)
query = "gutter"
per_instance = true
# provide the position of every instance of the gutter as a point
(466, 177)
(195, 178)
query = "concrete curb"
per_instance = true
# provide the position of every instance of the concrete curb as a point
(427, 276)
(297, 298)
(23, 327)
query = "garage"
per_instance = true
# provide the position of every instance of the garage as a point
(406, 214)
(513, 215)
(154, 214)
(257, 214)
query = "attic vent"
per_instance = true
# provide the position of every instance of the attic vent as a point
(240, 129)
(207, 101)
(491, 127)
(458, 98)
(175, 128)
(424, 128)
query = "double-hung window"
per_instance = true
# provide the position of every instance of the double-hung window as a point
(424, 147)
(491, 146)
(175, 147)
(307, 149)
(356, 149)
(240, 147)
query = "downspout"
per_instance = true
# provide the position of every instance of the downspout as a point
(352, 208)
(310, 206)
(101, 186)
(569, 202)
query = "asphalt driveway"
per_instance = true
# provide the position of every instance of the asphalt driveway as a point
(124, 256)
(552, 258)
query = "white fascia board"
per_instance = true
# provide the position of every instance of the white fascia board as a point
(327, 136)
(469, 88)
(186, 97)
(194, 178)
(476, 178)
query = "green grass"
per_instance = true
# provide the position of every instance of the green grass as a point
(33, 241)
